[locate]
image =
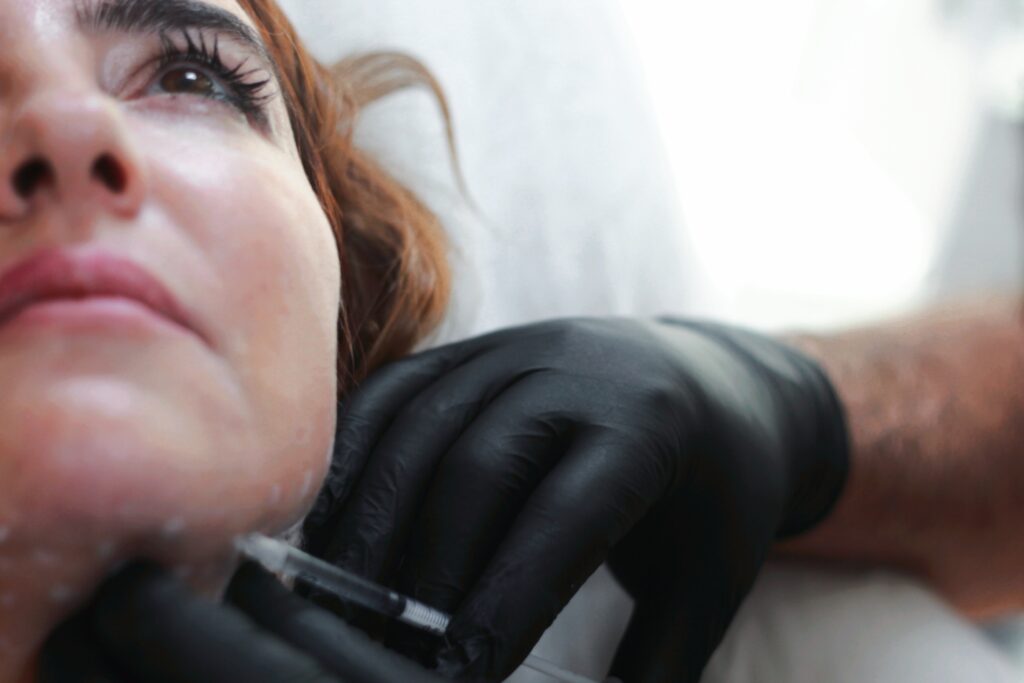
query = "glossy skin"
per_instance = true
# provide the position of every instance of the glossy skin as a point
(137, 438)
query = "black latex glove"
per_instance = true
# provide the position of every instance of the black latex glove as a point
(145, 626)
(491, 477)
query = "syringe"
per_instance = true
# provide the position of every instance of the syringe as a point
(281, 558)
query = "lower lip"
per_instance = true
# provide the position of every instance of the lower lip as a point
(104, 314)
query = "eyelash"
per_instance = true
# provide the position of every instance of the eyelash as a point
(248, 97)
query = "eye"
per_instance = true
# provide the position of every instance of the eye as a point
(197, 69)
(189, 81)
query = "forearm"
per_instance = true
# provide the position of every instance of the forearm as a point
(935, 407)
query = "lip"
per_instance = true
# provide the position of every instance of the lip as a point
(60, 275)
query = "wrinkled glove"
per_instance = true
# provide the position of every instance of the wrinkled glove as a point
(489, 478)
(145, 626)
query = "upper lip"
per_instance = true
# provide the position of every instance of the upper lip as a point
(63, 274)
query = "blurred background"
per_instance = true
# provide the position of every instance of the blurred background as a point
(881, 137)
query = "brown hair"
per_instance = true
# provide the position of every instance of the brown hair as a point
(395, 279)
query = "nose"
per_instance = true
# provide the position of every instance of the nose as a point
(69, 150)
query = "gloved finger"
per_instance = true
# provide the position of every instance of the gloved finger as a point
(672, 638)
(158, 631)
(673, 633)
(479, 488)
(580, 510)
(368, 413)
(374, 407)
(689, 591)
(339, 648)
(376, 521)
(71, 655)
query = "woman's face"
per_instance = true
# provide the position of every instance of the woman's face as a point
(125, 428)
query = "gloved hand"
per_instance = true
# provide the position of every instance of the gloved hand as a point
(145, 626)
(489, 478)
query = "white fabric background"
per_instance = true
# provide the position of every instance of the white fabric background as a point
(578, 216)
(559, 147)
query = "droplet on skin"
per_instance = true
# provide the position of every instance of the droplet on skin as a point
(240, 347)
(61, 593)
(46, 558)
(275, 494)
(5, 533)
(183, 572)
(128, 510)
(173, 526)
(105, 550)
(307, 484)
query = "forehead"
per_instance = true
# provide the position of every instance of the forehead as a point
(44, 39)
(54, 17)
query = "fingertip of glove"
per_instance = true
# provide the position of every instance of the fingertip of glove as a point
(250, 582)
(453, 660)
(127, 584)
(466, 659)
(123, 604)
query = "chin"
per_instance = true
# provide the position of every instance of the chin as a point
(95, 459)
(168, 465)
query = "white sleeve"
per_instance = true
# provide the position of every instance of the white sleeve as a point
(806, 625)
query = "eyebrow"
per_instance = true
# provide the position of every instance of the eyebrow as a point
(157, 16)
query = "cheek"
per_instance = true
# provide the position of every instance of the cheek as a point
(255, 218)
(169, 449)
(271, 301)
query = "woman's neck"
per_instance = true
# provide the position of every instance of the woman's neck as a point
(39, 588)
(42, 586)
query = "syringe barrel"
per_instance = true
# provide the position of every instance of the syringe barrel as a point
(344, 584)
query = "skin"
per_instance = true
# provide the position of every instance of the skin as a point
(935, 405)
(118, 442)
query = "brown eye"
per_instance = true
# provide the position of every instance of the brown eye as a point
(188, 81)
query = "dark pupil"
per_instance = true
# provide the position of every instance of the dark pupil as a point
(186, 80)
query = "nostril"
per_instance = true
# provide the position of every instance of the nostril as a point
(30, 174)
(110, 173)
